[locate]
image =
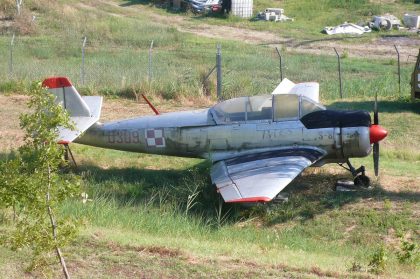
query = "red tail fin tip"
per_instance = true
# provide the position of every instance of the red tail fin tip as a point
(56, 82)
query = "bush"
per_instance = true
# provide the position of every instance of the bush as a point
(409, 253)
(378, 260)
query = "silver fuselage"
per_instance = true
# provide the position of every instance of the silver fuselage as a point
(195, 134)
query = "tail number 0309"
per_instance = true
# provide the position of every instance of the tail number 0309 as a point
(123, 136)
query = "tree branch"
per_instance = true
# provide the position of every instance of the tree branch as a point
(54, 228)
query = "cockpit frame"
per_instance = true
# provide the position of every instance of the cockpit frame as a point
(259, 109)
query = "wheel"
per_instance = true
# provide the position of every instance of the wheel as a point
(362, 181)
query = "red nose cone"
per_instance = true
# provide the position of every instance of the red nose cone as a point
(377, 133)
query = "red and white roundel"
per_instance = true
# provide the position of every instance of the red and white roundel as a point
(154, 138)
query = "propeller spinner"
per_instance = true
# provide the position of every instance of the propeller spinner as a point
(377, 133)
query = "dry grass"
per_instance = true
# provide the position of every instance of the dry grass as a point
(7, 8)
(11, 22)
(11, 135)
(119, 109)
(107, 259)
(24, 24)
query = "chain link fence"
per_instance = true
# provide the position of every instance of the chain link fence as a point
(99, 67)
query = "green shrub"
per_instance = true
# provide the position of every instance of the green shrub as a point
(378, 260)
(409, 253)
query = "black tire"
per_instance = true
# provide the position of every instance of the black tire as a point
(362, 181)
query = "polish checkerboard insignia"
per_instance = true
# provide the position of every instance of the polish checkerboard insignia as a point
(154, 138)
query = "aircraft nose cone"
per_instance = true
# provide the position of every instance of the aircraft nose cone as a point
(377, 133)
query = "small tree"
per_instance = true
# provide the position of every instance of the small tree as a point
(31, 183)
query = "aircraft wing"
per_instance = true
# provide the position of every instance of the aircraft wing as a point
(259, 177)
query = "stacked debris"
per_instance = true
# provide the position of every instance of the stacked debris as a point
(412, 21)
(274, 14)
(385, 22)
(204, 6)
(346, 28)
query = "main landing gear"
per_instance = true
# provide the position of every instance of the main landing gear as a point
(360, 178)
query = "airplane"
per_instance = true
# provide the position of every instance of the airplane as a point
(257, 144)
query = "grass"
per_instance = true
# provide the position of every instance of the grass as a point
(317, 224)
(156, 216)
(141, 211)
(247, 70)
(318, 13)
(117, 58)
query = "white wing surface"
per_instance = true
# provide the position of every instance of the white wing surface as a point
(260, 177)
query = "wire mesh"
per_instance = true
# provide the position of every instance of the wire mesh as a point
(182, 69)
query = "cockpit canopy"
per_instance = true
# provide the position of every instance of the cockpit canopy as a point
(260, 108)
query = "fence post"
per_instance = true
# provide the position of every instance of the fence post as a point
(339, 74)
(12, 42)
(281, 66)
(219, 71)
(149, 71)
(18, 4)
(399, 70)
(82, 70)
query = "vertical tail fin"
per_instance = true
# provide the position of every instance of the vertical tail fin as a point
(67, 95)
(84, 111)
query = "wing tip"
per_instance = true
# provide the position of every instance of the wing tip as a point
(251, 199)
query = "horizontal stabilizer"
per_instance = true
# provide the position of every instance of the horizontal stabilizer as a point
(82, 123)
(84, 111)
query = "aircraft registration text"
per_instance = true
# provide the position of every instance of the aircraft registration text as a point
(123, 136)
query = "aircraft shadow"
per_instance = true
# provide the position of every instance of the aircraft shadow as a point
(309, 195)
(314, 194)
(136, 2)
(138, 185)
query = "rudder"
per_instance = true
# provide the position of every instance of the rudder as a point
(67, 95)
(83, 111)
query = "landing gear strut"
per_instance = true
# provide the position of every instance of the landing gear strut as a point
(66, 155)
(360, 178)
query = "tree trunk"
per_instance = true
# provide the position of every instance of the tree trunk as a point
(54, 228)
(18, 5)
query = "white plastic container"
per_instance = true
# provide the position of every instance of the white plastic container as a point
(411, 20)
(242, 8)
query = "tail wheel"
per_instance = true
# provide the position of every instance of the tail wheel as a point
(362, 181)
